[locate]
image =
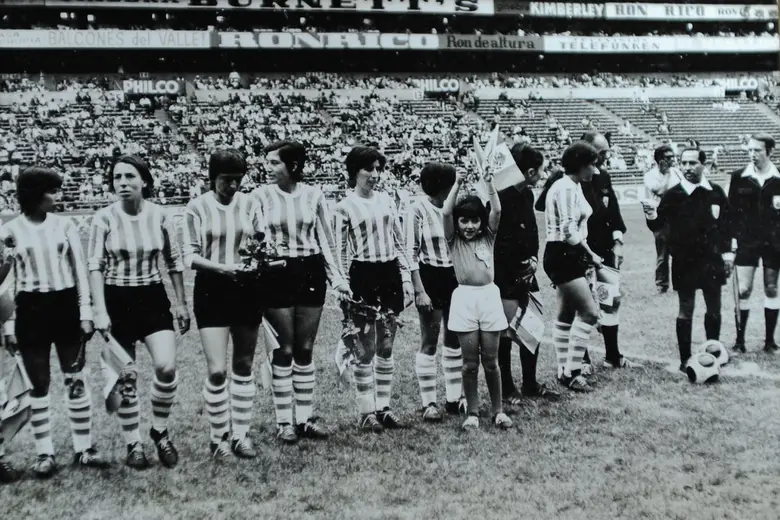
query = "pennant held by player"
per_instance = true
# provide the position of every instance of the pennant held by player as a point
(271, 343)
(16, 406)
(526, 327)
(114, 360)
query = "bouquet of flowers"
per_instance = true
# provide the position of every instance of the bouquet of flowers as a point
(257, 256)
(350, 350)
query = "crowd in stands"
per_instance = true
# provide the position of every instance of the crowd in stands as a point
(80, 137)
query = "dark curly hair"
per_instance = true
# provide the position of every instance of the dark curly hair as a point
(32, 184)
(470, 207)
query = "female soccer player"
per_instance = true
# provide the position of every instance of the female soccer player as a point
(126, 240)
(53, 305)
(298, 222)
(697, 215)
(434, 281)
(516, 250)
(217, 223)
(476, 314)
(566, 260)
(373, 256)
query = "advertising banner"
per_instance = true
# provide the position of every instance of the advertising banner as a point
(566, 10)
(143, 87)
(498, 42)
(690, 12)
(103, 39)
(305, 40)
(659, 44)
(438, 85)
(478, 7)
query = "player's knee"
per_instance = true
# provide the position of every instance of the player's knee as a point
(428, 349)
(218, 378)
(303, 355)
(770, 290)
(590, 316)
(685, 314)
(165, 373)
(744, 293)
(470, 365)
(282, 357)
(489, 363)
(242, 367)
(384, 351)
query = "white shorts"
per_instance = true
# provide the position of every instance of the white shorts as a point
(477, 308)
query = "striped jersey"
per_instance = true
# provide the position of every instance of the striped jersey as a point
(48, 257)
(299, 224)
(368, 230)
(566, 212)
(425, 242)
(127, 248)
(215, 231)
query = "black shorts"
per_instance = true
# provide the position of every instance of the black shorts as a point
(564, 263)
(219, 301)
(302, 282)
(749, 255)
(692, 273)
(137, 312)
(439, 283)
(46, 318)
(377, 283)
(508, 278)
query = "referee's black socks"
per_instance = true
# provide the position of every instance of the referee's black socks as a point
(505, 365)
(684, 328)
(770, 322)
(610, 334)
(528, 364)
(744, 314)
(712, 326)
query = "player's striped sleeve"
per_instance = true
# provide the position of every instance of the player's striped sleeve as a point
(79, 270)
(567, 209)
(412, 224)
(96, 248)
(191, 237)
(171, 252)
(326, 241)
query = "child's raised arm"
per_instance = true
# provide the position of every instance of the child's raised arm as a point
(449, 206)
(495, 206)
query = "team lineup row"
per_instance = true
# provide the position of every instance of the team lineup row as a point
(465, 264)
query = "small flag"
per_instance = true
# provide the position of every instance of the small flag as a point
(271, 343)
(113, 361)
(17, 409)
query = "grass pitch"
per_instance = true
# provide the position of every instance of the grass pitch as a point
(645, 445)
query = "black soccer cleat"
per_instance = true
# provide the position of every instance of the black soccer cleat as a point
(166, 451)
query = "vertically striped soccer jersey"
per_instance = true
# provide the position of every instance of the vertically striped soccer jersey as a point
(566, 212)
(299, 224)
(216, 231)
(48, 257)
(368, 230)
(425, 242)
(127, 248)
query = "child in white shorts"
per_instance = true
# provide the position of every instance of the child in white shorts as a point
(476, 313)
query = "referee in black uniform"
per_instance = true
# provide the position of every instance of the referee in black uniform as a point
(605, 238)
(515, 261)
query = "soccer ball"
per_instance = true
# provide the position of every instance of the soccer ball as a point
(703, 368)
(716, 348)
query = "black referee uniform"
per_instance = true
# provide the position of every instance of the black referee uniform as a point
(698, 217)
(756, 226)
(517, 244)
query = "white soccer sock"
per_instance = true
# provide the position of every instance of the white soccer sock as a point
(425, 367)
(242, 400)
(384, 368)
(772, 303)
(217, 409)
(282, 387)
(80, 416)
(163, 396)
(560, 336)
(129, 415)
(578, 343)
(364, 386)
(303, 381)
(452, 366)
(41, 424)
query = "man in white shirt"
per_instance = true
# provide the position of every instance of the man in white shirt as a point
(657, 182)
